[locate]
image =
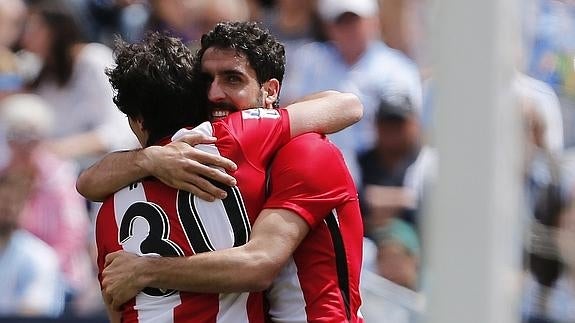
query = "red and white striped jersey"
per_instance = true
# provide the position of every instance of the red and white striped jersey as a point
(320, 283)
(149, 218)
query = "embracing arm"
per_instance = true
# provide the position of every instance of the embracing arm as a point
(115, 169)
(180, 165)
(251, 267)
(177, 164)
(324, 112)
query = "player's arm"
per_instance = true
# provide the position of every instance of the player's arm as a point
(180, 165)
(177, 164)
(324, 112)
(251, 267)
(275, 235)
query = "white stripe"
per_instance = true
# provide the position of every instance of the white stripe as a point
(215, 220)
(151, 309)
(204, 128)
(126, 197)
(287, 302)
(156, 309)
(233, 308)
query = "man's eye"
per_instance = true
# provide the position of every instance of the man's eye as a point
(234, 79)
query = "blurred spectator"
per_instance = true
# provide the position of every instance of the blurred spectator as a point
(102, 20)
(293, 22)
(11, 80)
(543, 99)
(10, 83)
(402, 26)
(389, 293)
(551, 50)
(554, 303)
(353, 60)
(30, 283)
(73, 83)
(397, 147)
(52, 210)
(544, 204)
(109, 17)
(189, 19)
(12, 17)
(398, 253)
(175, 17)
(207, 13)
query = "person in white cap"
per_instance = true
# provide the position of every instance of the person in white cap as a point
(355, 60)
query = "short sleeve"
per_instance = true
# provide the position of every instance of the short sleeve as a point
(309, 177)
(260, 133)
(106, 232)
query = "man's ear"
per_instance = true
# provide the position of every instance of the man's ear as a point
(140, 123)
(271, 90)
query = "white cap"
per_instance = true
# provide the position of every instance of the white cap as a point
(329, 10)
(27, 113)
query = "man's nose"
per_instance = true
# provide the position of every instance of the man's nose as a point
(215, 92)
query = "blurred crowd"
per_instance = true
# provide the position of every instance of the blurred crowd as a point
(57, 117)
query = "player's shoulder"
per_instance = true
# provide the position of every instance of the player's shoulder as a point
(310, 141)
(310, 147)
(135, 190)
(251, 122)
(251, 114)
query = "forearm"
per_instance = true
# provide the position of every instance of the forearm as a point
(230, 270)
(250, 267)
(113, 172)
(324, 112)
(316, 95)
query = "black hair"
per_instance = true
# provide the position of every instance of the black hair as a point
(66, 32)
(263, 51)
(154, 80)
(394, 108)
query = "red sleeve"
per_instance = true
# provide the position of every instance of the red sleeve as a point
(309, 177)
(260, 132)
(106, 233)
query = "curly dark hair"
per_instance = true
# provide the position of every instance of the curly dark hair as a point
(264, 52)
(154, 80)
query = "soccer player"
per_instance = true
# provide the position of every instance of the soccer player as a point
(326, 205)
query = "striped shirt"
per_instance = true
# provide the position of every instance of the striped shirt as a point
(149, 218)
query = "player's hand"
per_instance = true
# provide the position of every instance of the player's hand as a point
(184, 167)
(119, 279)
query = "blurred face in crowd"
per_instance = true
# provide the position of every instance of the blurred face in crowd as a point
(395, 263)
(37, 36)
(22, 143)
(398, 136)
(232, 83)
(12, 16)
(352, 33)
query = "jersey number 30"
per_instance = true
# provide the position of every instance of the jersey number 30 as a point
(154, 238)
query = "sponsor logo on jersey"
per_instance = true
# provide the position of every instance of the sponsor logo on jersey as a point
(259, 113)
